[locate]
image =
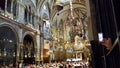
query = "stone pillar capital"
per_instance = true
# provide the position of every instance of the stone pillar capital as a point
(38, 32)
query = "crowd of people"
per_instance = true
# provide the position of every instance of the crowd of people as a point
(77, 64)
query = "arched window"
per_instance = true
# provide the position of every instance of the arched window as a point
(14, 8)
(9, 6)
(29, 14)
(2, 4)
(25, 15)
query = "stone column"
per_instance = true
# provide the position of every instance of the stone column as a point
(31, 18)
(11, 6)
(20, 43)
(17, 51)
(37, 47)
(5, 6)
(41, 41)
(41, 48)
(27, 17)
(21, 52)
(20, 12)
(17, 9)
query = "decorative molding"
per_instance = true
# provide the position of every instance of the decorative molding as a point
(20, 25)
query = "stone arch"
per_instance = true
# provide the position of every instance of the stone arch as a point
(29, 3)
(13, 29)
(8, 44)
(29, 45)
(29, 11)
(31, 34)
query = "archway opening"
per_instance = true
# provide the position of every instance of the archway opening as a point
(8, 46)
(28, 50)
